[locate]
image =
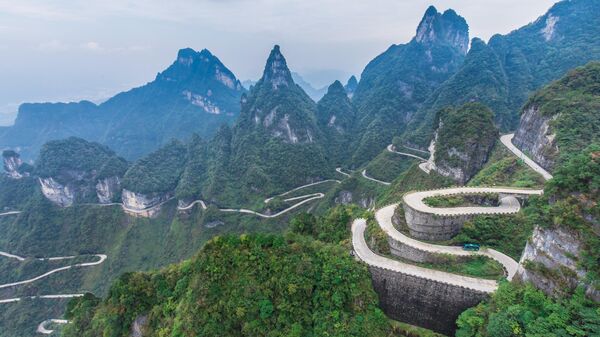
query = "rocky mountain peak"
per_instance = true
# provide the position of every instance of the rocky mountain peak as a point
(351, 85)
(336, 88)
(12, 164)
(448, 28)
(276, 70)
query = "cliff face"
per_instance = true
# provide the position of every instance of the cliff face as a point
(464, 140)
(57, 193)
(80, 189)
(13, 165)
(535, 137)
(550, 262)
(145, 205)
(108, 189)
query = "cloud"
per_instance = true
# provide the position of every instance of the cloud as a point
(92, 46)
(52, 46)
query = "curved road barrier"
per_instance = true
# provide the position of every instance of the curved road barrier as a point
(364, 174)
(390, 148)
(508, 204)
(101, 258)
(42, 327)
(364, 253)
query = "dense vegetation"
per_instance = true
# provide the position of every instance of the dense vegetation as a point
(518, 310)
(60, 157)
(397, 82)
(252, 285)
(336, 116)
(158, 171)
(465, 139)
(503, 73)
(574, 101)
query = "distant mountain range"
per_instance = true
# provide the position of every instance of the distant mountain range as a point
(196, 94)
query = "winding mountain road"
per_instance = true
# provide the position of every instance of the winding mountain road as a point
(509, 204)
(364, 174)
(201, 202)
(42, 327)
(10, 213)
(310, 197)
(339, 170)
(507, 141)
(303, 186)
(364, 253)
(101, 259)
(390, 148)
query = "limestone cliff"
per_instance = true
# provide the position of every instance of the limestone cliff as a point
(550, 262)
(535, 137)
(464, 140)
(59, 194)
(108, 189)
(13, 165)
(145, 205)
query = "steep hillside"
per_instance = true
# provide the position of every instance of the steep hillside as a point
(395, 84)
(276, 143)
(273, 286)
(76, 171)
(563, 118)
(196, 94)
(464, 140)
(336, 117)
(503, 73)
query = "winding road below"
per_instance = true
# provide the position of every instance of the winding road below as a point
(101, 258)
(390, 148)
(42, 327)
(507, 141)
(10, 213)
(364, 174)
(509, 204)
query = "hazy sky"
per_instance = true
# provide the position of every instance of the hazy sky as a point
(61, 50)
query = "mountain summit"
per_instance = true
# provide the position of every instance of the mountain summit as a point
(395, 84)
(447, 28)
(195, 94)
(276, 70)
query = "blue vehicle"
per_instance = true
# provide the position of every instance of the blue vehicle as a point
(471, 246)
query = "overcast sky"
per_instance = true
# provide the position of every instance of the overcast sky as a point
(66, 50)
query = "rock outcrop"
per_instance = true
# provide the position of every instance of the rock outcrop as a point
(13, 165)
(463, 141)
(550, 262)
(144, 205)
(57, 193)
(108, 189)
(535, 137)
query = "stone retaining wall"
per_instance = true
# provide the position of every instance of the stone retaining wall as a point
(422, 302)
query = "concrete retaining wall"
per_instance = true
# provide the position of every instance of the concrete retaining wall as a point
(422, 302)
(426, 226)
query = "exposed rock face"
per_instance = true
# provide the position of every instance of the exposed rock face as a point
(535, 138)
(138, 326)
(351, 86)
(12, 165)
(276, 71)
(447, 28)
(108, 189)
(549, 261)
(143, 205)
(464, 140)
(549, 30)
(57, 193)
